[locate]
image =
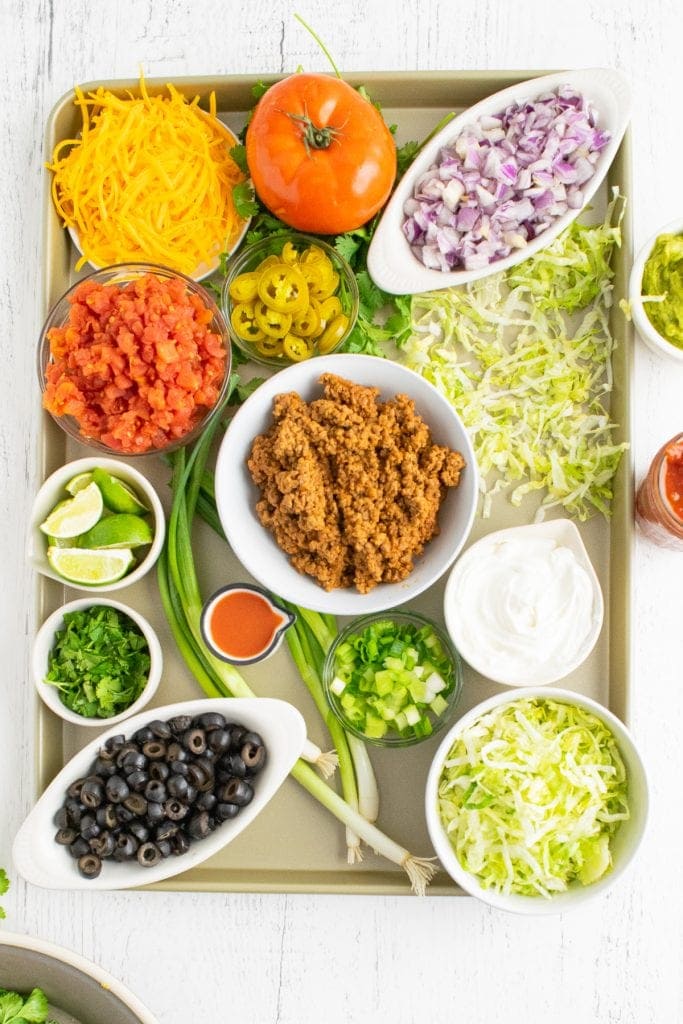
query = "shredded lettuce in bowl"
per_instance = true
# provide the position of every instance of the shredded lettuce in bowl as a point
(525, 359)
(530, 795)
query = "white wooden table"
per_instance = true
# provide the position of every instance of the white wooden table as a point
(299, 959)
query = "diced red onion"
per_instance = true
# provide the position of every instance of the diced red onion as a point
(503, 181)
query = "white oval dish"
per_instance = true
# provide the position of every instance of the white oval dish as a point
(204, 270)
(646, 330)
(391, 263)
(43, 644)
(563, 533)
(52, 491)
(236, 494)
(41, 861)
(77, 985)
(624, 844)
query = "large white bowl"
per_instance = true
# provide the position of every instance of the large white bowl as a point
(644, 326)
(392, 264)
(53, 491)
(77, 989)
(44, 642)
(624, 844)
(236, 494)
(41, 861)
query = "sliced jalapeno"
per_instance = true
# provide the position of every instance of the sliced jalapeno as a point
(271, 322)
(244, 287)
(333, 334)
(283, 288)
(297, 349)
(244, 324)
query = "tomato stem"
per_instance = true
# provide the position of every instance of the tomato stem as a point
(313, 136)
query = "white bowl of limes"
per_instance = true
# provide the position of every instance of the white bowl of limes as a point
(96, 524)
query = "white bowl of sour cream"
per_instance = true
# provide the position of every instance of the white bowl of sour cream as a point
(523, 606)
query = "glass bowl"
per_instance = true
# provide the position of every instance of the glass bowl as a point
(433, 715)
(121, 275)
(287, 248)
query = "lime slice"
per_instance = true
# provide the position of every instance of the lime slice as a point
(118, 496)
(77, 483)
(75, 515)
(119, 530)
(93, 568)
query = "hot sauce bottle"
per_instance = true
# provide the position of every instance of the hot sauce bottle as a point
(659, 502)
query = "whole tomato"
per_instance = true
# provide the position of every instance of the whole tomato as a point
(320, 155)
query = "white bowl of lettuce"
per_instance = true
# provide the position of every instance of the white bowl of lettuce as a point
(536, 800)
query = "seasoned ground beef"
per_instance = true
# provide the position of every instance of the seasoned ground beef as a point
(351, 486)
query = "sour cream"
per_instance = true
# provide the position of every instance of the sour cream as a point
(522, 609)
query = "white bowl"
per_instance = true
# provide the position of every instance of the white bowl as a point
(44, 642)
(41, 861)
(647, 332)
(53, 490)
(392, 264)
(564, 533)
(623, 845)
(236, 494)
(77, 989)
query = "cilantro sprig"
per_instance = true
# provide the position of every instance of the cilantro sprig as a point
(15, 1009)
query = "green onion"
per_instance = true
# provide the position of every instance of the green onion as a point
(182, 602)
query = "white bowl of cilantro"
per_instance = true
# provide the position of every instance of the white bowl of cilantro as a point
(536, 800)
(96, 662)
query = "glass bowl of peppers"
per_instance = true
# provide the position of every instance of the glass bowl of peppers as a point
(289, 297)
(392, 678)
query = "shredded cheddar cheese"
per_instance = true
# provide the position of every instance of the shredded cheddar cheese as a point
(149, 179)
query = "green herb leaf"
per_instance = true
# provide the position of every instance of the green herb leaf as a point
(239, 155)
(244, 198)
(15, 1010)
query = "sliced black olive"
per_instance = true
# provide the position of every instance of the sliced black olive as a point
(123, 815)
(114, 743)
(175, 810)
(237, 733)
(191, 795)
(139, 830)
(210, 720)
(160, 771)
(206, 801)
(155, 814)
(180, 724)
(161, 730)
(104, 767)
(177, 786)
(166, 830)
(126, 847)
(148, 855)
(74, 790)
(195, 741)
(180, 844)
(74, 810)
(103, 845)
(79, 847)
(66, 836)
(106, 816)
(218, 740)
(154, 749)
(89, 827)
(200, 774)
(235, 765)
(136, 803)
(178, 768)
(127, 748)
(199, 827)
(137, 780)
(223, 811)
(176, 752)
(104, 756)
(92, 793)
(89, 865)
(143, 735)
(236, 791)
(61, 818)
(156, 791)
(165, 847)
(253, 755)
(133, 761)
(117, 789)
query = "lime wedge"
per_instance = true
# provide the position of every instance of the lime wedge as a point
(77, 483)
(119, 530)
(118, 496)
(75, 515)
(93, 568)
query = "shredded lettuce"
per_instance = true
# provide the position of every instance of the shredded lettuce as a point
(525, 358)
(530, 796)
